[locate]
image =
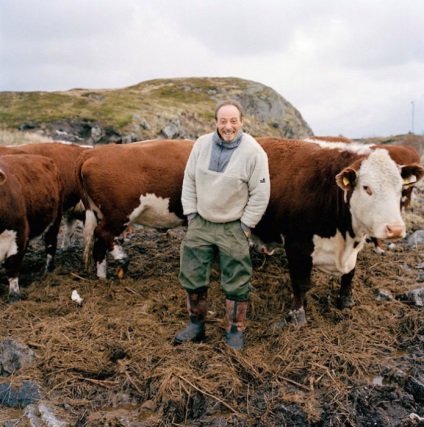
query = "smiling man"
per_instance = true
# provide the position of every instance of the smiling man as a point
(225, 193)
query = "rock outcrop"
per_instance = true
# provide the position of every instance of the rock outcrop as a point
(166, 108)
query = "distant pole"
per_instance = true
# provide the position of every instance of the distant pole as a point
(412, 123)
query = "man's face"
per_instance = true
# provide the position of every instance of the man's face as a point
(228, 122)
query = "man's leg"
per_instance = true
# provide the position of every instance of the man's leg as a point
(195, 266)
(236, 275)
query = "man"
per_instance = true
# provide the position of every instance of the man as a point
(225, 192)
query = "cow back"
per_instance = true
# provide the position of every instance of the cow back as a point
(401, 154)
(114, 176)
(40, 186)
(64, 156)
(303, 183)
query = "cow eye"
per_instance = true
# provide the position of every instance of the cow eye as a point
(367, 189)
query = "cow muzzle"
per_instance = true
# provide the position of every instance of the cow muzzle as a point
(395, 230)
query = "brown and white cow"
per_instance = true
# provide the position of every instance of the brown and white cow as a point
(325, 201)
(401, 154)
(65, 156)
(31, 195)
(137, 183)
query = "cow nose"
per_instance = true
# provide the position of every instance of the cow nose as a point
(394, 231)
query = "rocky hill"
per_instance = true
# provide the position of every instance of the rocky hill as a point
(166, 108)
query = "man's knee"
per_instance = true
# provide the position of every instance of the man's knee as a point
(195, 266)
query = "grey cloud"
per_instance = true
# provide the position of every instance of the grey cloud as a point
(349, 67)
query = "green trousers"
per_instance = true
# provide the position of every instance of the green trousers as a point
(202, 242)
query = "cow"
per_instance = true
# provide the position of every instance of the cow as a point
(325, 201)
(31, 194)
(401, 154)
(129, 184)
(65, 156)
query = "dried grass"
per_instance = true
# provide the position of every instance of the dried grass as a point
(8, 137)
(117, 347)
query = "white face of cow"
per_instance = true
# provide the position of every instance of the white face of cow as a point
(376, 195)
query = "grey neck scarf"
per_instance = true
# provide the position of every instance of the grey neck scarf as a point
(222, 151)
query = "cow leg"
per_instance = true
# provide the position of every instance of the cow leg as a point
(12, 266)
(378, 246)
(120, 258)
(105, 241)
(68, 230)
(300, 267)
(14, 247)
(70, 218)
(50, 242)
(345, 299)
(100, 251)
(14, 292)
(99, 255)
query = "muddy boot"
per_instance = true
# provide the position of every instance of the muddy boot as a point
(195, 330)
(235, 317)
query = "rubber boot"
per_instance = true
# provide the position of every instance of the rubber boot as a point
(235, 316)
(195, 330)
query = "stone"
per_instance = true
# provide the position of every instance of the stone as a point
(384, 295)
(414, 297)
(415, 239)
(21, 396)
(14, 356)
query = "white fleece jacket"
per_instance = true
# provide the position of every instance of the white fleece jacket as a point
(240, 192)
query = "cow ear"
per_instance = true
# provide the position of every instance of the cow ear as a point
(346, 179)
(3, 177)
(411, 174)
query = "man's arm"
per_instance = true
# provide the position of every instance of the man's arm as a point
(259, 191)
(188, 193)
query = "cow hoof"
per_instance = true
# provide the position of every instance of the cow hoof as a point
(50, 268)
(345, 302)
(297, 317)
(379, 251)
(122, 268)
(14, 297)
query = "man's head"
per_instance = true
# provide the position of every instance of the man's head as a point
(229, 119)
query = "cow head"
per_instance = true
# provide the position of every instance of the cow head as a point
(373, 188)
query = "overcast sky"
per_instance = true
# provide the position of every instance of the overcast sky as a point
(352, 68)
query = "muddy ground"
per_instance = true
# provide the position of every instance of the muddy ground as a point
(111, 362)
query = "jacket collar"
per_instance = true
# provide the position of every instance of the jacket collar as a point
(229, 145)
